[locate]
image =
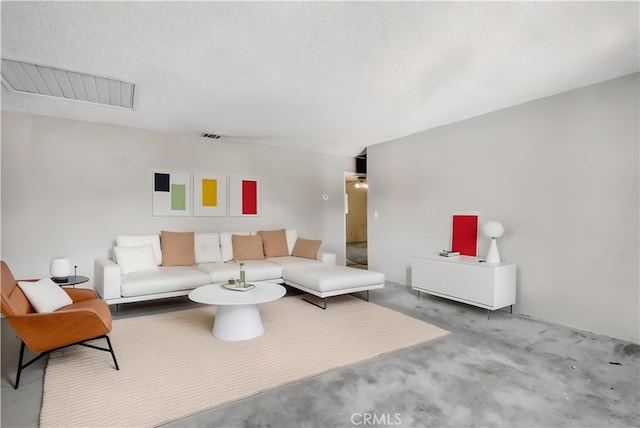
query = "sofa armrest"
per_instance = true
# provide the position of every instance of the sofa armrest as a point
(326, 258)
(108, 278)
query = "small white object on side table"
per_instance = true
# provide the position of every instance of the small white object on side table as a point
(237, 315)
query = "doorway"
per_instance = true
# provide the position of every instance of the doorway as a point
(356, 189)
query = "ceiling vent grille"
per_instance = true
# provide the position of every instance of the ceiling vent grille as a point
(54, 82)
(214, 136)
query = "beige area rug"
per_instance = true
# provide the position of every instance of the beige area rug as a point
(171, 366)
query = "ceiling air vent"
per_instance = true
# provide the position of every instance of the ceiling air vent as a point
(205, 135)
(54, 82)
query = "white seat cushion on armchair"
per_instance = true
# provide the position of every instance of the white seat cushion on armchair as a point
(45, 295)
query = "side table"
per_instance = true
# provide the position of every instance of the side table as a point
(73, 280)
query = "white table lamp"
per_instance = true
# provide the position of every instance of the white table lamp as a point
(60, 269)
(493, 229)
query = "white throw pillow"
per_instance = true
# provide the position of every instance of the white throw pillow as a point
(45, 295)
(136, 259)
(137, 240)
(207, 247)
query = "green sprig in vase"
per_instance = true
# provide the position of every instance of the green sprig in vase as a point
(243, 283)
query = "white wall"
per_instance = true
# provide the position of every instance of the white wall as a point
(69, 188)
(560, 173)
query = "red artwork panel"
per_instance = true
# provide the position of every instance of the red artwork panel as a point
(249, 197)
(464, 235)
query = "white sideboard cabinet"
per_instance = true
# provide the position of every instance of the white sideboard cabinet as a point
(465, 279)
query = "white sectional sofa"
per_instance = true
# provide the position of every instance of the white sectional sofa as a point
(137, 270)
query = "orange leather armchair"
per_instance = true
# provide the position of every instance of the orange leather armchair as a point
(86, 319)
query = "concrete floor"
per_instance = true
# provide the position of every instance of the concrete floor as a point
(509, 371)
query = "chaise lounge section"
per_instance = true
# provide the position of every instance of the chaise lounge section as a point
(326, 281)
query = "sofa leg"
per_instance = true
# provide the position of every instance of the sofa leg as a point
(317, 305)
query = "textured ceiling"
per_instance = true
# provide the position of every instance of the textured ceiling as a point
(331, 77)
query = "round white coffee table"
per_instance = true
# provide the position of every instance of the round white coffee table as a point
(237, 315)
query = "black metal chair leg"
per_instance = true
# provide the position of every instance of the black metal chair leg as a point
(112, 353)
(24, 366)
(19, 365)
(83, 343)
(109, 349)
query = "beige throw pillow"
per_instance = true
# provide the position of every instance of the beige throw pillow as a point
(274, 243)
(307, 248)
(247, 247)
(178, 249)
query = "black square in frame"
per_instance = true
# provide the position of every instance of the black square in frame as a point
(161, 182)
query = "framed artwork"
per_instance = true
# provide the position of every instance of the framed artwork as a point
(464, 233)
(244, 196)
(209, 195)
(171, 193)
